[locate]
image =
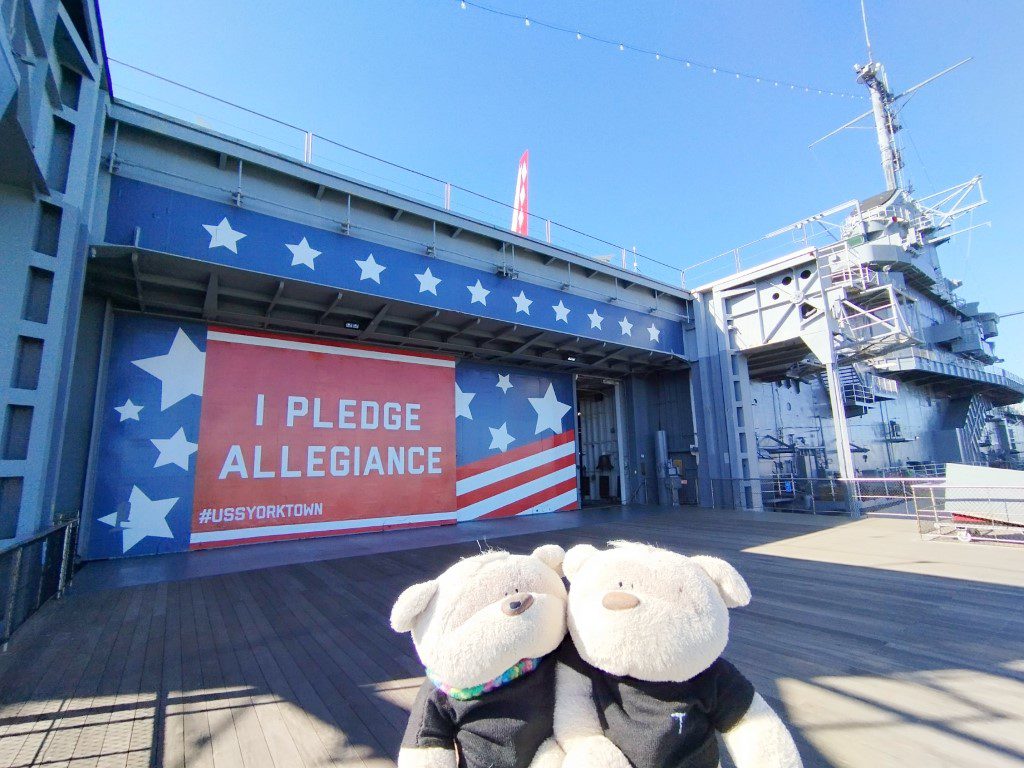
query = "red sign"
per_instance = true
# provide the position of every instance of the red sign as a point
(301, 439)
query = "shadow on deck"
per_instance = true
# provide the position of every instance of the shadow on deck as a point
(877, 648)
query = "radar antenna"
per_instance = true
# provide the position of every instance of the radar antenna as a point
(883, 109)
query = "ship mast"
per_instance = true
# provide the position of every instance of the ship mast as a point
(883, 110)
(873, 76)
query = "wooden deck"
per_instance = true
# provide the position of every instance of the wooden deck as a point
(877, 648)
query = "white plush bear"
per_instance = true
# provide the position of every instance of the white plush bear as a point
(484, 630)
(646, 680)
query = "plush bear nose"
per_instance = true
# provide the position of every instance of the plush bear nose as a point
(517, 604)
(620, 601)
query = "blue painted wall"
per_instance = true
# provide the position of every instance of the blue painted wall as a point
(198, 228)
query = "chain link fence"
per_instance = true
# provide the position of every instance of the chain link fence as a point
(962, 513)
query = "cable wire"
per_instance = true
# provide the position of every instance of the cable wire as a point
(658, 55)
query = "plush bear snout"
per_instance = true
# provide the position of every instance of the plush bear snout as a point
(516, 604)
(620, 601)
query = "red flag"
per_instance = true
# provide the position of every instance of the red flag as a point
(520, 204)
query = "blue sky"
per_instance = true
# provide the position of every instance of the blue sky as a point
(681, 163)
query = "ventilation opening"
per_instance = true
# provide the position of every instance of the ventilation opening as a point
(16, 433)
(59, 164)
(787, 280)
(807, 310)
(27, 364)
(805, 275)
(37, 295)
(48, 229)
(70, 87)
(10, 505)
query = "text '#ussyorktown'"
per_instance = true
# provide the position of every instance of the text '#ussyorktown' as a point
(338, 460)
(259, 512)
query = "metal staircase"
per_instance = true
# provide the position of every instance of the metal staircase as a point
(861, 390)
(970, 434)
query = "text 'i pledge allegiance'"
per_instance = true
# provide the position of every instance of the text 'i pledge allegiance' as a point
(336, 460)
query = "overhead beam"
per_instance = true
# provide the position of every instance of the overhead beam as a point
(527, 344)
(504, 334)
(397, 214)
(459, 331)
(137, 274)
(424, 322)
(273, 303)
(210, 299)
(333, 305)
(377, 318)
(456, 231)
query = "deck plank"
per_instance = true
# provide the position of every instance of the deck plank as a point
(877, 648)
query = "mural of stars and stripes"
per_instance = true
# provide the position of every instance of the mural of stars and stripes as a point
(516, 442)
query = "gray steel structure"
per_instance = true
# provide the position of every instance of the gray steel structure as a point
(53, 96)
(873, 302)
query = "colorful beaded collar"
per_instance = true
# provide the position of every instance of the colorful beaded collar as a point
(517, 670)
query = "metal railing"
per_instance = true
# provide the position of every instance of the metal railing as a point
(33, 571)
(148, 90)
(890, 496)
(970, 513)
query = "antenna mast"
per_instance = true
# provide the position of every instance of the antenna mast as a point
(873, 76)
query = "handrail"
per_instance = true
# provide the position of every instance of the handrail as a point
(42, 534)
(50, 554)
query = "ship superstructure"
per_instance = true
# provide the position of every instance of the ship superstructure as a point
(854, 355)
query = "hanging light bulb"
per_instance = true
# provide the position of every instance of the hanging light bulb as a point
(462, 5)
(527, 21)
(622, 47)
(714, 70)
(657, 57)
(687, 65)
(579, 36)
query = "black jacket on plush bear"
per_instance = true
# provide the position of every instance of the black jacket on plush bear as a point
(666, 724)
(503, 727)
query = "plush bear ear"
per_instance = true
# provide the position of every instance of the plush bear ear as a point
(575, 558)
(551, 555)
(410, 604)
(731, 586)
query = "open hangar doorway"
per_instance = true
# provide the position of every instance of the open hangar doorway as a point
(599, 442)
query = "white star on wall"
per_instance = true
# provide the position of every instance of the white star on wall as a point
(549, 411)
(462, 401)
(626, 326)
(500, 438)
(174, 450)
(522, 303)
(504, 382)
(561, 312)
(478, 293)
(303, 253)
(223, 236)
(180, 371)
(129, 411)
(595, 319)
(654, 333)
(428, 283)
(369, 269)
(146, 517)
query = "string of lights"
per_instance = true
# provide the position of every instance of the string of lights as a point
(688, 63)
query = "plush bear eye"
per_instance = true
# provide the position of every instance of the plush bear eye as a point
(620, 585)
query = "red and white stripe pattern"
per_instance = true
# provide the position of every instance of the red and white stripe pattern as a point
(536, 478)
